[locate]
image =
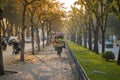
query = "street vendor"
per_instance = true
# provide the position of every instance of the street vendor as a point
(58, 45)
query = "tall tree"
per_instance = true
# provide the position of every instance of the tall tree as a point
(1, 55)
(25, 4)
(104, 5)
(2, 4)
(115, 8)
(93, 6)
(32, 10)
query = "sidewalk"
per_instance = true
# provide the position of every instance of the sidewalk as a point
(45, 65)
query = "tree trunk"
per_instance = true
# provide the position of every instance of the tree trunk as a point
(32, 34)
(3, 28)
(85, 40)
(79, 36)
(22, 45)
(85, 35)
(50, 38)
(10, 32)
(96, 31)
(16, 30)
(43, 36)
(47, 42)
(23, 35)
(28, 32)
(96, 40)
(118, 61)
(103, 23)
(80, 39)
(38, 40)
(103, 42)
(73, 37)
(1, 54)
(90, 37)
(49, 35)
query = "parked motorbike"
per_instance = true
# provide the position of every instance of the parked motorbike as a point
(16, 48)
(4, 44)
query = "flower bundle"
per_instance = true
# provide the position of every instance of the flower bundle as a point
(59, 35)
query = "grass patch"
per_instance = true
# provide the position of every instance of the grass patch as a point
(94, 65)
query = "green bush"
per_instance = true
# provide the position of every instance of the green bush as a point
(108, 55)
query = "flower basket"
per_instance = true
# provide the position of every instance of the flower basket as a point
(58, 46)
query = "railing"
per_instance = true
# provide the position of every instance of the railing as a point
(81, 75)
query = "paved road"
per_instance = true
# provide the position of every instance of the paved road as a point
(46, 65)
(115, 50)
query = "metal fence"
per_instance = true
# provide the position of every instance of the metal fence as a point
(81, 75)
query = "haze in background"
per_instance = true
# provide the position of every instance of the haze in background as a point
(67, 4)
